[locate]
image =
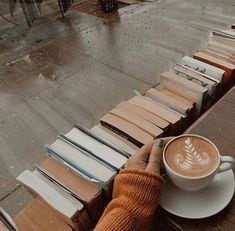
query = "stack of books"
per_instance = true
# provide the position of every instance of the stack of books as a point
(220, 52)
(74, 183)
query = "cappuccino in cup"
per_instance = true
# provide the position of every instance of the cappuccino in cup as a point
(192, 156)
(192, 161)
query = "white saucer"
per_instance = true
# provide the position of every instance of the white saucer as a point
(201, 204)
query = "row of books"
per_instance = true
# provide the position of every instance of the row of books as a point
(74, 184)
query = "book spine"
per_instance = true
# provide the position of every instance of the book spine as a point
(67, 220)
(226, 80)
(101, 140)
(88, 151)
(82, 221)
(95, 208)
(122, 133)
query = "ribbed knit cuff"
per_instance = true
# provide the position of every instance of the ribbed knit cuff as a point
(138, 185)
(135, 198)
(142, 175)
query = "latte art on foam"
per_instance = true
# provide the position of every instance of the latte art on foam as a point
(192, 158)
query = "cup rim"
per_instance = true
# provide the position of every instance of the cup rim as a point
(192, 177)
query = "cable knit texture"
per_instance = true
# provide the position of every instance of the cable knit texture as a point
(135, 198)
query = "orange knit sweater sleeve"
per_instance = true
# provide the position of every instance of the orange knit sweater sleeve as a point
(135, 198)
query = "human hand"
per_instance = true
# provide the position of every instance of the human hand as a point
(148, 158)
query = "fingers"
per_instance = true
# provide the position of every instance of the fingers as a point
(167, 139)
(144, 151)
(155, 156)
(140, 159)
(148, 157)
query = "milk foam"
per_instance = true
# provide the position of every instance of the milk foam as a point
(191, 158)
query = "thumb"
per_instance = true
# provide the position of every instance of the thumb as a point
(155, 156)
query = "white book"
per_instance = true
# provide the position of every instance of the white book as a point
(70, 166)
(100, 150)
(81, 160)
(51, 193)
(119, 142)
(202, 67)
(102, 140)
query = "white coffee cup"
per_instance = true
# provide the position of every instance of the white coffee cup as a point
(189, 183)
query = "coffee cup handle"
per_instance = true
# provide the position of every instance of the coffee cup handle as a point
(226, 163)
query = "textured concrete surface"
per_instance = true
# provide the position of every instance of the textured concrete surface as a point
(62, 72)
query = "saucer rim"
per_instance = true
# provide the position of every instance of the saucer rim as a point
(201, 217)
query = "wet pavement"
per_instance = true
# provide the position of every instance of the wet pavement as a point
(61, 72)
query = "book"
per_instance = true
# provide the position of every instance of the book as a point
(38, 216)
(174, 105)
(125, 129)
(87, 192)
(147, 104)
(223, 55)
(224, 34)
(203, 67)
(106, 186)
(68, 207)
(178, 95)
(197, 77)
(87, 142)
(3, 227)
(138, 121)
(168, 101)
(223, 39)
(115, 139)
(183, 118)
(228, 68)
(146, 115)
(222, 47)
(100, 139)
(174, 93)
(86, 164)
(198, 93)
(230, 32)
(6, 222)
